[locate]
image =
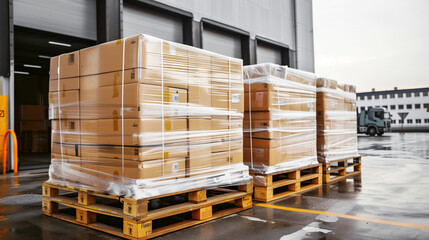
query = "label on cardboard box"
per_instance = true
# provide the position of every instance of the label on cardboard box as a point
(235, 98)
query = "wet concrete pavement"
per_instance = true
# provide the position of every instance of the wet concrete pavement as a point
(389, 200)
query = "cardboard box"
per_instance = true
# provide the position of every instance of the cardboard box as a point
(227, 158)
(139, 101)
(200, 131)
(67, 149)
(227, 145)
(137, 132)
(224, 130)
(111, 169)
(68, 67)
(136, 153)
(199, 160)
(142, 52)
(33, 113)
(66, 131)
(277, 128)
(273, 100)
(69, 107)
(64, 84)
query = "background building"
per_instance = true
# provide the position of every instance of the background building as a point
(412, 101)
(33, 31)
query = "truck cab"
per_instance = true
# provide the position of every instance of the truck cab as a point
(374, 121)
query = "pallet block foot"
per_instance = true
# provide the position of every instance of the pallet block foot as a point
(85, 217)
(86, 199)
(197, 196)
(244, 202)
(202, 213)
(134, 208)
(49, 207)
(137, 230)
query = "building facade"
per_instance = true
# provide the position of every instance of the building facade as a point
(413, 102)
(257, 31)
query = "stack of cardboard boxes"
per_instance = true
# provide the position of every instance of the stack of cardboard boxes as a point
(34, 128)
(280, 118)
(144, 108)
(336, 120)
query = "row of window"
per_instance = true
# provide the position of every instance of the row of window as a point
(392, 95)
(401, 106)
(410, 121)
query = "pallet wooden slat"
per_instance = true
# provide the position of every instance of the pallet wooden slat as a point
(337, 170)
(199, 204)
(286, 182)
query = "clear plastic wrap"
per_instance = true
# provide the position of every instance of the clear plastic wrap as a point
(336, 121)
(279, 118)
(144, 117)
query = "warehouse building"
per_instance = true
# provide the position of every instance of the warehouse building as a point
(33, 31)
(413, 102)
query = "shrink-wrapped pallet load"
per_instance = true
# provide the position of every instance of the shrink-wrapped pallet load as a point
(279, 119)
(336, 121)
(145, 117)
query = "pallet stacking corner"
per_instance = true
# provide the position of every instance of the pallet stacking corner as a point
(341, 169)
(273, 186)
(144, 218)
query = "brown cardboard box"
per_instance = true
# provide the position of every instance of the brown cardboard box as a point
(140, 52)
(225, 129)
(227, 145)
(111, 169)
(136, 153)
(199, 84)
(227, 158)
(64, 84)
(69, 66)
(199, 160)
(200, 131)
(33, 112)
(69, 105)
(273, 100)
(137, 132)
(278, 128)
(139, 101)
(69, 131)
(67, 149)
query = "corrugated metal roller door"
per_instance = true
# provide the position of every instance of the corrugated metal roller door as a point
(139, 20)
(75, 18)
(267, 54)
(222, 42)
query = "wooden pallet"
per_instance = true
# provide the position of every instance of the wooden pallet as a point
(341, 169)
(145, 218)
(269, 187)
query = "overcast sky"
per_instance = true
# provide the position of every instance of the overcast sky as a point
(377, 44)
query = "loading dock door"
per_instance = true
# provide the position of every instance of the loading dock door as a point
(74, 18)
(268, 54)
(221, 42)
(140, 20)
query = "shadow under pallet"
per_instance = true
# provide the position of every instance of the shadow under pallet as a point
(144, 218)
(269, 187)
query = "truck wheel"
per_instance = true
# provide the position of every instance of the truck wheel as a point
(372, 131)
